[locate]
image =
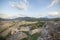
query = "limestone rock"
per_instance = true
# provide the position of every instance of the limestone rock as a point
(17, 36)
(51, 31)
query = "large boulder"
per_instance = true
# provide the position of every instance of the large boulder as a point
(51, 31)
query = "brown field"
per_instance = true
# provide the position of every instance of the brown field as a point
(7, 26)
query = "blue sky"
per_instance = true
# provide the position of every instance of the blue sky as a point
(31, 8)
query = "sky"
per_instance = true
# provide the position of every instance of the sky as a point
(30, 8)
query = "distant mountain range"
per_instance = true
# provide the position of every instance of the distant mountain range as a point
(27, 19)
(20, 18)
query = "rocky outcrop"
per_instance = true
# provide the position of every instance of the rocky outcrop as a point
(51, 31)
(38, 30)
(17, 36)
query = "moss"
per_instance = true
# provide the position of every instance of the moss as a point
(2, 38)
(25, 39)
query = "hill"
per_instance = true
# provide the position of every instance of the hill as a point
(30, 19)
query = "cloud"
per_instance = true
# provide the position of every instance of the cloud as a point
(22, 5)
(7, 16)
(11, 16)
(53, 13)
(53, 3)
